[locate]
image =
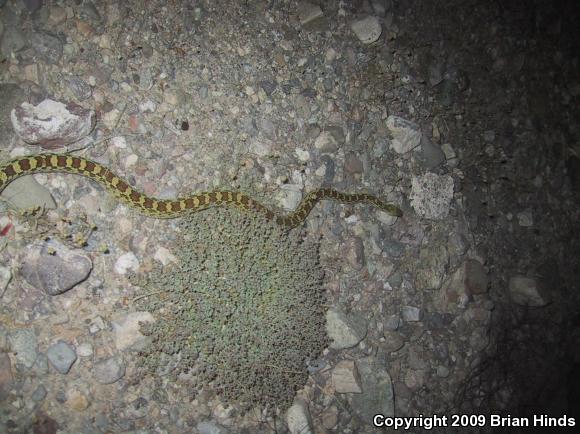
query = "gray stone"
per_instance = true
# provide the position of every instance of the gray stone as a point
(48, 46)
(61, 356)
(393, 341)
(344, 330)
(353, 164)
(80, 88)
(411, 313)
(327, 141)
(6, 377)
(431, 155)
(210, 427)
(26, 194)
(355, 253)
(308, 12)
(377, 395)
(527, 291)
(39, 393)
(12, 41)
(367, 29)
(54, 268)
(11, 95)
(476, 279)
(24, 346)
(109, 371)
(406, 135)
(345, 377)
(298, 418)
(416, 359)
(433, 261)
(5, 278)
(392, 322)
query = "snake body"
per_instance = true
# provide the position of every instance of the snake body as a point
(160, 208)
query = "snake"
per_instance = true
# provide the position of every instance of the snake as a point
(171, 208)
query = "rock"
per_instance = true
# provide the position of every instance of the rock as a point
(431, 195)
(406, 134)
(23, 345)
(329, 417)
(12, 41)
(327, 142)
(54, 268)
(416, 359)
(526, 218)
(109, 371)
(10, 95)
(80, 88)
(377, 396)
(52, 124)
(527, 291)
(289, 196)
(76, 400)
(47, 46)
(298, 418)
(61, 356)
(126, 331)
(353, 164)
(450, 155)
(85, 350)
(392, 322)
(345, 377)
(6, 376)
(433, 261)
(126, 262)
(57, 15)
(393, 341)
(308, 12)
(33, 5)
(411, 313)
(476, 280)
(5, 278)
(355, 253)
(431, 155)
(210, 427)
(453, 296)
(367, 29)
(344, 330)
(26, 194)
(39, 393)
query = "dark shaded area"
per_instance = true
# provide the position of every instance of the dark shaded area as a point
(510, 98)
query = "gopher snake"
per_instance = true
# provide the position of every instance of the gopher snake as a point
(175, 208)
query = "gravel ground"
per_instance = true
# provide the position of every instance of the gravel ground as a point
(465, 116)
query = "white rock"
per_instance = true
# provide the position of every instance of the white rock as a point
(126, 262)
(52, 124)
(346, 378)
(289, 196)
(298, 418)
(367, 30)
(406, 134)
(431, 195)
